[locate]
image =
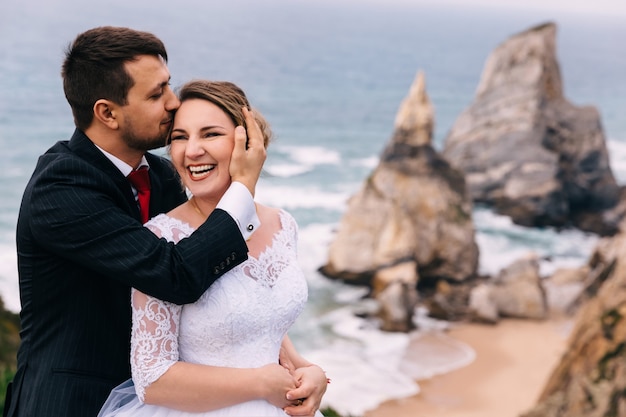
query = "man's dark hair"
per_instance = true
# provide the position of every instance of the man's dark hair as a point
(94, 67)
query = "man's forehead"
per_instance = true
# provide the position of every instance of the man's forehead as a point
(147, 60)
(148, 68)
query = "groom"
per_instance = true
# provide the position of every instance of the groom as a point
(80, 240)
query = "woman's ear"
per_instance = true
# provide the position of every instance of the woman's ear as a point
(105, 112)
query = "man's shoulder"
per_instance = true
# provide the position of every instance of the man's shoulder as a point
(60, 157)
(60, 149)
(79, 149)
(64, 164)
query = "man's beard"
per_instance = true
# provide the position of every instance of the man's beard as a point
(142, 143)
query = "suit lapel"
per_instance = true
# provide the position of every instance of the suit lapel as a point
(84, 148)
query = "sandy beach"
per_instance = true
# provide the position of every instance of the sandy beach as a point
(513, 360)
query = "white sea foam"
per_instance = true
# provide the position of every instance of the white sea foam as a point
(363, 363)
(501, 242)
(289, 161)
(434, 353)
(371, 162)
(617, 156)
(293, 197)
(311, 155)
(287, 170)
(367, 366)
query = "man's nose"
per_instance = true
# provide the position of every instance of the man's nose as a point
(172, 102)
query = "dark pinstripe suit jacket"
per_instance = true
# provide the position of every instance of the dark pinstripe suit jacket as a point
(80, 248)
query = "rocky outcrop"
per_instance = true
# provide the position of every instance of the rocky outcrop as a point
(527, 151)
(411, 220)
(565, 289)
(590, 380)
(515, 292)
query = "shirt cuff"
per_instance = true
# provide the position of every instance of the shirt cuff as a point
(239, 204)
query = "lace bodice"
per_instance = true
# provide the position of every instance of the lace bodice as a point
(239, 321)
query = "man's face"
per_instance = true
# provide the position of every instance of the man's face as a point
(147, 117)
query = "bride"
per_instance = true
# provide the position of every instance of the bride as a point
(220, 355)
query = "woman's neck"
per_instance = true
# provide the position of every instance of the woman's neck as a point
(202, 208)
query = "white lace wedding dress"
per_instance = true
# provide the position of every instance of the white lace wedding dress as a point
(238, 322)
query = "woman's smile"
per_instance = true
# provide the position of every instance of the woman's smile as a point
(199, 172)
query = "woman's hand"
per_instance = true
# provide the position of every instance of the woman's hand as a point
(249, 153)
(276, 382)
(312, 384)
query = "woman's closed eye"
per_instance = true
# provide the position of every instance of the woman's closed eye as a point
(211, 135)
(178, 136)
(208, 134)
(212, 132)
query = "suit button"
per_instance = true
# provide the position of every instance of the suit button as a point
(216, 271)
(250, 227)
(233, 256)
(227, 261)
(222, 266)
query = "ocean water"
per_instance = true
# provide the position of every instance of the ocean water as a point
(330, 78)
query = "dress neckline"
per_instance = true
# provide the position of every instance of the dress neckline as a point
(188, 228)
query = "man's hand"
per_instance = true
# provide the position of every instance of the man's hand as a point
(249, 153)
(312, 383)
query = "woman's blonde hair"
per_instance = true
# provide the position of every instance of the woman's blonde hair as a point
(227, 96)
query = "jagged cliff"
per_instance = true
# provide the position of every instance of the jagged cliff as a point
(411, 220)
(527, 151)
(590, 380)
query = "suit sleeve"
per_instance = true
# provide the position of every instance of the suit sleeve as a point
(87, 218)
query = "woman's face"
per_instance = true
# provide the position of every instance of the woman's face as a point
(202, 141)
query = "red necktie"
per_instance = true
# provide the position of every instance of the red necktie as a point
(141, 181)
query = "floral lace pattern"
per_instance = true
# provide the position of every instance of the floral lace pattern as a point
(239, 321)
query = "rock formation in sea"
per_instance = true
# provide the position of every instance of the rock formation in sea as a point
(410, 221)
(515, 292)
(590, 380)
(526, 150)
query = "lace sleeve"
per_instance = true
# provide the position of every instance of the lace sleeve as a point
(154, 339)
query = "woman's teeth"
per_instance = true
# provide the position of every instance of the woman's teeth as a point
(200, 170)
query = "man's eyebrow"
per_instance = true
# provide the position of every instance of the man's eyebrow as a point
(160, 86)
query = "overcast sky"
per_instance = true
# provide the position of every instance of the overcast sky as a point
(608, 7)
(585, 7)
